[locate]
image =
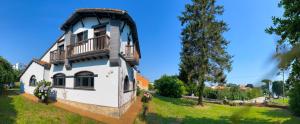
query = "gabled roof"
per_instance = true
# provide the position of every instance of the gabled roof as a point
(102, 13)
(46, 65)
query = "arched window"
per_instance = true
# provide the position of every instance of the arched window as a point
(59, 80)
(84, 80)
(126, 84)
(32, 81)
(133, 84)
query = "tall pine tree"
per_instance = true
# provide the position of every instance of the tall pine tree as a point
(203, 56)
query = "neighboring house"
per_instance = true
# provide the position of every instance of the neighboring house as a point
(142, 82)
(92, 65)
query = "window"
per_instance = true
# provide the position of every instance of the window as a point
(84, 80)
(59, 80)
(99, 31)
(82, 36)
(133, 84)
(32, 81)
(126, 84)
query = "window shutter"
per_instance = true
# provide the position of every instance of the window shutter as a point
(73, 39)
(85, 35)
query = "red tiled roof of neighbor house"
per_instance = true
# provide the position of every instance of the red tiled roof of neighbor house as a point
(143, 82)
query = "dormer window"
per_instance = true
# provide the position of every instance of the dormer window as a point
(82, 36)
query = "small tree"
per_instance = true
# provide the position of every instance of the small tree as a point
(277, 88)
(266, 86)
(169, 86)
(6, 73)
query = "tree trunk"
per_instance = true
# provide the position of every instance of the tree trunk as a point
(201, 86)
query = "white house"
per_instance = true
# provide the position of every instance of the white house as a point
(92, 65)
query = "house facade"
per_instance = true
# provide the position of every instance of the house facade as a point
(93, 64)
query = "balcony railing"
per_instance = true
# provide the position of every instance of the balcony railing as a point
(90, 48)
(57, 56)
(131, 54)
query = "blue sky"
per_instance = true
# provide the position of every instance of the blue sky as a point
(28, 28)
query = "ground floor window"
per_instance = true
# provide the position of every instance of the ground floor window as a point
(59, 80)
(32, 81)
(84, 80)
(126, 84)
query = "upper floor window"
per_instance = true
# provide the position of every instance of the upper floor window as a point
(84, 80)
(82, 36)
(126, 84)
(32, 81)
(100, 31)
(59, 80)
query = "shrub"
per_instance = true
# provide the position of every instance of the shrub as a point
(232, 93)
(150, 87)
(42, 90)
(169, 86)
(138, 91)
(294, 96)
(210, 93)
(145, 99)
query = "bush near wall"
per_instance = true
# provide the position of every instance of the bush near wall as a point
(169, 86)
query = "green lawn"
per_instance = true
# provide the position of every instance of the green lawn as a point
(168, 110)
(17, 109)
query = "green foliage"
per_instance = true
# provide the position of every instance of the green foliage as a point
(287, 27)
(203, 46)
(277, 88)
(44, 94)
(232, 93)
(294, 92)
(169, 86)
(138, 91)
(150, 86)
(190, 88)
(6, 72)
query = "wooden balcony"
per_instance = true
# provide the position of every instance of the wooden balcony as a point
(57, 57)
(89, 49)
(131, 55)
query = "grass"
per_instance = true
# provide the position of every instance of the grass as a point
(17, 109)
(281, 101)
(169, 110)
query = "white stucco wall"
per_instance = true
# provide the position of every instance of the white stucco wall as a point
(33, 69)
(126, 70)
(106, 84)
